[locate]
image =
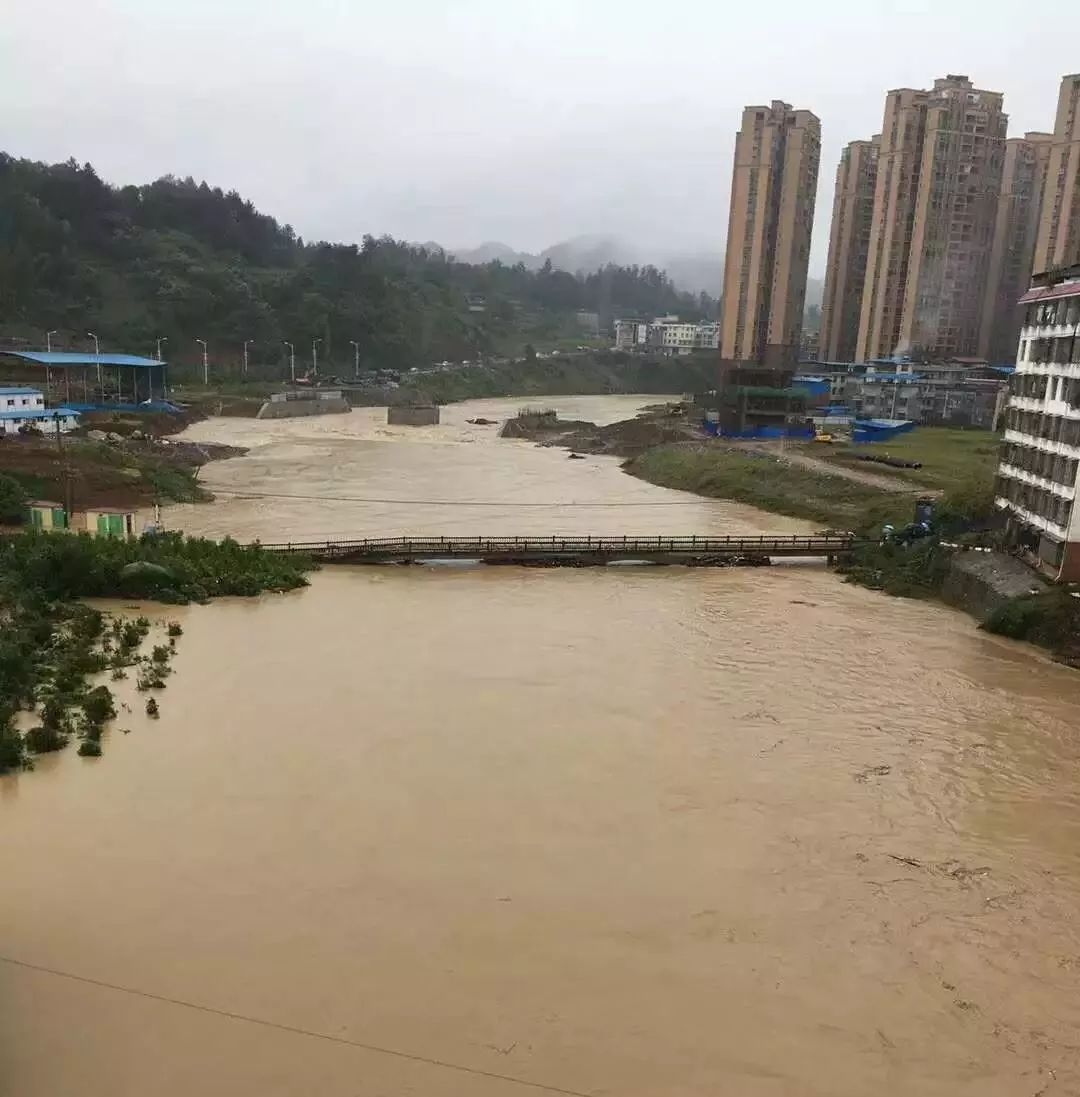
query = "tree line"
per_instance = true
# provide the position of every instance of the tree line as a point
(182, 260)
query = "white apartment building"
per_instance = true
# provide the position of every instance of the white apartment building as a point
(21, 406)
(667, 334)
(1040, 457)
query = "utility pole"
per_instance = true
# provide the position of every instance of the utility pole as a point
(205, 364)
(356, 359)
(246, 341)
(315, 357)
(292, 362)
(97, 355)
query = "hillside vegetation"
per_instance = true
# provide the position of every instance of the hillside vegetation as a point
(184, 260)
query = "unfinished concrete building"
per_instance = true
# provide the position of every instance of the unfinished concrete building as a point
(773, 189)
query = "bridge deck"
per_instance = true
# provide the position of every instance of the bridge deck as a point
(585, 550)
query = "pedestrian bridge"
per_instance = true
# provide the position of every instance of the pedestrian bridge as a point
(574, 551)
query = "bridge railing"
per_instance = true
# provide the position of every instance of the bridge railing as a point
(816, 544)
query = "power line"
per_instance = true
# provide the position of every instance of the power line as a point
(443, 502)
(294, 1029)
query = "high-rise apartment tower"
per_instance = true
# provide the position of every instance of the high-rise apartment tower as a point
(849, 244)
(773, 188)
(1013, 249)
(1058, 243)
(935, 207)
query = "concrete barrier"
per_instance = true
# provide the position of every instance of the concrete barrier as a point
(413, 415)
(294, 409)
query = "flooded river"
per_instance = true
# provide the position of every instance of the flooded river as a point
(650, 832)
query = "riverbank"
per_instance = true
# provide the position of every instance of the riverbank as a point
(836, 487)
(126, 461)
(52, 645)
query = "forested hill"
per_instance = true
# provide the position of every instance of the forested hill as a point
(187, 261)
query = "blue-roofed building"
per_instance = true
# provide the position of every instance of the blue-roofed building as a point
(111, 381)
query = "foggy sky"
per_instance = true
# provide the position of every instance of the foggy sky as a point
(471, 120)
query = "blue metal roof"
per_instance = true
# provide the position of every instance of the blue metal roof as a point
(73, 358)
(35, 413)
(19, 390)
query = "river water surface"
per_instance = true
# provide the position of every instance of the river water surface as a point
(455, 831)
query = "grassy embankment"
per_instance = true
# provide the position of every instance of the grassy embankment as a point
(51, 644)
(957, 466)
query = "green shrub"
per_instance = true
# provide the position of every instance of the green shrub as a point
(12, 749)
(42, 740)
(98, 706)
(90, 748)
(12, 502)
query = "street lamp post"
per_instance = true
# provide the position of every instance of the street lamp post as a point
(97, 355)
(292, 362)
(48, 348)
(356, 359)
(205, 364)
(246, 342)
(315, 357)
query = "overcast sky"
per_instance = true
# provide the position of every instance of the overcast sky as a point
(470, 120)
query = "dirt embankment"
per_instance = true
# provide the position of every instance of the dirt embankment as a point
(628, 438)
(112, 460)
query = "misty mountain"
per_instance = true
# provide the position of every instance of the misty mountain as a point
(588, 253)
(701, 272)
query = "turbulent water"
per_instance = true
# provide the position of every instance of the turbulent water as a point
(491, 832)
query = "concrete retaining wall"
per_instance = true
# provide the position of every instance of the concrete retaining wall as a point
(293, 409)
(413, 415)
(980, 582)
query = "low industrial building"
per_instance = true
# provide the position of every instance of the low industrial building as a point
(958, 392)
(49, 517)
(1039, 470)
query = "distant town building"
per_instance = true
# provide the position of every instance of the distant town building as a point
(666, 335)
(22, 406)
(773, 189)
(588, 322)
(631, 334)
(849, 244)
(1058, 242)
(935, 205)
(1039, 472)
(1013, 248)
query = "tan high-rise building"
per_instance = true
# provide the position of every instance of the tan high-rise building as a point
(849, 243)
(773, 188)
(1016, 227)
(935, 207)
(1058, 243)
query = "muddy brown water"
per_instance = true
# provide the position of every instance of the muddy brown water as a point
(497, 832)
